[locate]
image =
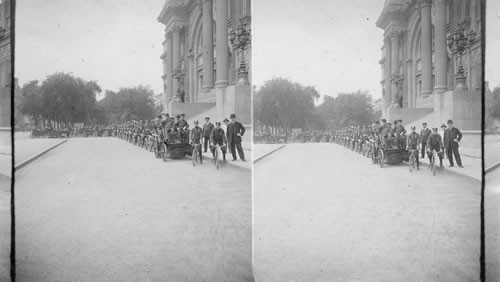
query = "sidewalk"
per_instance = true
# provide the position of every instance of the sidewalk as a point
(30, 149)
(263, 150)
(247, 150)
(5, 166)
(472, 166)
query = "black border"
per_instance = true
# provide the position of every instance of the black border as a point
(482, 258)
(12, 129)
(13, 86)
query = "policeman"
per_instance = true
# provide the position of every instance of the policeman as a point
(218, 137)
(196, 134)
(183, 126)
(400, 134)
(207, 131)
(424, 135)
(434, 142)
(412, 143)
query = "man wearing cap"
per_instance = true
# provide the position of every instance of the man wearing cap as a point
(400, 132)
(235, 131)
(385, 128)
(451, 138)
(441, 132)
(183, 126)
(434, 142)
(207, 131)
(217, 137)
(412, 143)
(196, 134)
(424, 135)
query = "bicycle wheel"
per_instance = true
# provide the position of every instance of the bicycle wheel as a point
(381, 158)
(374, 155)
(411, 162)
(217, 159)
(164, 152)
(194, 156)
(434, 165)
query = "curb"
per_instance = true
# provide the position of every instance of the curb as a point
(444, 170)
(269, 153)
(36, 156)
(232, 164)
(453, 172)
(491, 168)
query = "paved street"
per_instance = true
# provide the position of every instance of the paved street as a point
(491, 150)
(102, 209)
(5, 220)
(492, 225)
(323, 213)
(28, 148)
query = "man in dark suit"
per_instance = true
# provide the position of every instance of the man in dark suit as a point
(424, 135)
(451, 138)
(207, 130)
(235, 131)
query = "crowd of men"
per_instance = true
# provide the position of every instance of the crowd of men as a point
(443, 140)
(394, 136)
(177, 130)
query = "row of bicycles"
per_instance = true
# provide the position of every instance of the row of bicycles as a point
(172, 145)
(387, 151)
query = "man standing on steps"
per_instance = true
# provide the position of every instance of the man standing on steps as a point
(207, 130)
(451, 138)
(424, 135)
(235, 131)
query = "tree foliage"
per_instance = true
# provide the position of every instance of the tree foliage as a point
(281, 103)
(284, 104)
(348, 109)
(135, 103)
(64, 99)
(492, 107)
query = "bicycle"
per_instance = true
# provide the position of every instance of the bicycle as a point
(196, 156)
(217, 153)
(412, 160)
(433, 166)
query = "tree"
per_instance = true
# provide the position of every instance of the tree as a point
(67, 99)
(30, 99)
(136, 103)
(492, 104)
(348, 109)
(281, 103)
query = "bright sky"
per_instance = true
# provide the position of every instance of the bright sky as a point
(116, 42)
(332, 45)
(492, 60)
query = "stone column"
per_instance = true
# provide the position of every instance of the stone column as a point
(388, 72)
(441, 54)
(222, 44)
(208, 46)
(394, 63)
(169, 68)
(426, 47)
(176, 61)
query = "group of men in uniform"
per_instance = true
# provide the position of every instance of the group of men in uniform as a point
(209, 134)
(394, 136)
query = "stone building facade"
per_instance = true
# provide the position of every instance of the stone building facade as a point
(5, 72)
(425, 76)
(200, 60)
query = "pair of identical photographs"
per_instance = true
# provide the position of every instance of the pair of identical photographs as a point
(237, 140)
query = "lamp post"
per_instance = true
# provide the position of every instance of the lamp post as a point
(179, 74)
(240, 38)
(457, 42)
